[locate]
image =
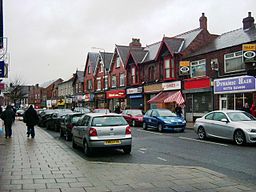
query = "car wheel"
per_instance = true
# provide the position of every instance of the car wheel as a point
(239, 137)
(127, 149)
(145, 127)
(61, 133)
(133, 123)
(201, 133)
(74, 145)
(160, 128)
(87, 149)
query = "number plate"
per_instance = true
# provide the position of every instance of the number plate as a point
(112, 142)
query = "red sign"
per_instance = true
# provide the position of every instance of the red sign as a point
(197, 83)
(116, 94)
(2, 86)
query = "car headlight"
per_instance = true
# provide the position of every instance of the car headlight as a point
(184, 121)
(166, 122)
(251, 130)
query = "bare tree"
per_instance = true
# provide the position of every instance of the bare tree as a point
(16, 91)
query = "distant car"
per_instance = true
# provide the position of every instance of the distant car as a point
(82, 110)
(20, 112)
(133, 116)
(98, 130)
(162, 119)
(235, 125)
(101, 111)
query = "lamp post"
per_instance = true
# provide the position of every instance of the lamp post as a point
(104, 75)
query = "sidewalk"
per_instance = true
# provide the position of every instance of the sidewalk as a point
(45, 164)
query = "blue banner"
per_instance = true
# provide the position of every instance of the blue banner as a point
(137, 96)
(2, 69)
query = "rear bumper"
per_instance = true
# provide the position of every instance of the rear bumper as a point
(101, 143)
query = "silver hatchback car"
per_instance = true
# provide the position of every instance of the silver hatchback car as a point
(100, 130)
(235, 125)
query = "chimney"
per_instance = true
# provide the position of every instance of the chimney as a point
(248, 22)
(203, 22)
(135, 43)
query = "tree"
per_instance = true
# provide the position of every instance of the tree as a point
(16, 91)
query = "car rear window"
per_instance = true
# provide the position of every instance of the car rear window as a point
(75, 119)
(108, 121)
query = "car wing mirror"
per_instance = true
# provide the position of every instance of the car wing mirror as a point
(224, 120)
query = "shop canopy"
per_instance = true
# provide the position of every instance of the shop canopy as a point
(168, 97)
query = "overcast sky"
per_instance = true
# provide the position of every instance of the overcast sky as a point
(48, 39)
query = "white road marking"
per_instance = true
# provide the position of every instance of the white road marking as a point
(150, 132)
(161, 159)
(141, 151)
(201, 141)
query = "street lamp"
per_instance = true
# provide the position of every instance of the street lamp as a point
(104, 73)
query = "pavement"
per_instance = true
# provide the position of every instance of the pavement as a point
(46, 164)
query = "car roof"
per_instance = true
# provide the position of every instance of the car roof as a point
(227, 111)
(103, 114)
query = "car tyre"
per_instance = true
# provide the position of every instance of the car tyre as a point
(239, 137)
(74, 145)
(127, 149)
(145, 127)
(133, 123)
(160, 127)
(87, 149)
(201, 133)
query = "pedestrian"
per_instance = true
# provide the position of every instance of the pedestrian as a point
(8, 116)
(246, 108)
(253, 110)
(178, 110)
(117, 109)
(31, 119)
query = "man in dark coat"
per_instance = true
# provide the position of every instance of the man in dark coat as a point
(30, 117)
(178, 111)
(8, 117)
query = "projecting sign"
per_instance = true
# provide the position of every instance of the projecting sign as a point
(3, 69)
(184, 67)
(249, 53)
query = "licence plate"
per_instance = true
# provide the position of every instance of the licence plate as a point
(112, 142)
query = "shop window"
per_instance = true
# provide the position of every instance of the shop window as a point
(113, 81)
(122, 77)
(198, 68)
(202, 102)
(233, 62)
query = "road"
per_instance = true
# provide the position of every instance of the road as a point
(152, 147)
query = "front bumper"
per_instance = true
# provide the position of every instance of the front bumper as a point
(250, 137)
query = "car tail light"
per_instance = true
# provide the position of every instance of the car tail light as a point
(93, 132)
(128, 130)
(70, 126)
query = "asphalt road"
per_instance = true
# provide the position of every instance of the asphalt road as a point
(152, 147)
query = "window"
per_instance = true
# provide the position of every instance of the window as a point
(101, 67)
(167, 68)
(122, 79)
(89, 84)
(106, 82)
(98, 84)
(113, 81)
(233, 62)
(209, 117)
(133, 75)
(154, 114)
(151, 73)
(198, 68)
(89, 69)
(118, 62)
(218, 116)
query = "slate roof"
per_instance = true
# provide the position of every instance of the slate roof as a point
(93, 58)
(152, 51)
(46, 84)
(80, 76)
(174, 44)
(138, 55)
(229, 39)
(108, 58)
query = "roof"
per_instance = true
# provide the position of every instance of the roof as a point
(107, 57)
(173, 44)
(151, 51)
(46, 84)
(80, 76)
(92, 57)
(138, 55)
(229, 39)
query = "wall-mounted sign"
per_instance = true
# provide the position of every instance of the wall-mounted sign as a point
(134, 90)
(249, 53)
(175, 85)
(184, 67)
(48, 103)
(116, 94)
(61, 102)
(234, 85)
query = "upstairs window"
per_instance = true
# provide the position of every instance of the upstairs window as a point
(198, 68)
(122, 77)
(89, 84)
(118, 61)
(89, 69)
(98, 84)
(113, 82)
(151, 73)
(233, 62)
(167, 68)
(133, 76)
(101, 67)
(106, 82)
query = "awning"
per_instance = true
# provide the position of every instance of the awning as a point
(168, 97)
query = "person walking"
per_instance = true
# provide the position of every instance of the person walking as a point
(178, 110)
(246, 108)
(8, 116)
(31, 119)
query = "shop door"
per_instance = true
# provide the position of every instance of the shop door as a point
(223, 103)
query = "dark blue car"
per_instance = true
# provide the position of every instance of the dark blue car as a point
(163, 119)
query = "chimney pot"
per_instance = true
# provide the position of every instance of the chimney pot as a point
(203, 22)
(248, 22)
(135, 43)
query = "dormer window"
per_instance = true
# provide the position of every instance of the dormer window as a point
(169, 69)
(133, 76)
(118, 61)
(101, 67)
(89, 69)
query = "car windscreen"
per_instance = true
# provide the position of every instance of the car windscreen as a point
(134, 112)
(75, 119)
(240, 116)
(108, 121)
(166, 113)
(101, 111)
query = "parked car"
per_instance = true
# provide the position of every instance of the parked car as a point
(235, 125)
(20, 112)
(162, 119)
(43, 116)
(98, 130)
(101, 111)
(133, 116)
(67, 122)
(82, 110)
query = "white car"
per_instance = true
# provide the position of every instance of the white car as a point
(101, 130)
(235, 125)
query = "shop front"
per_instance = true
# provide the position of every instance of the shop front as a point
(234, 92)
(151, 91)
(116, 98)
(89, 100)
(199, 97)
(135, 98)
(100, 102)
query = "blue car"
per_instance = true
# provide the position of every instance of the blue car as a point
(163, 119)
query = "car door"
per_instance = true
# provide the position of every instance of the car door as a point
(220, 128)
(82, 129)
(147, 117)
(154, 119)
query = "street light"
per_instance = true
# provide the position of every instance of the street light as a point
(104, 73)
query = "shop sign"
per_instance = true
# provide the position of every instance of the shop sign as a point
(99, 96)
(134, 90)
(54, 102)
(249, 53)
(116, 94)
(2, 85)
(48, 103)
(234, 85)
(171, 85)
(153, 88)
(137, 96)
(79, 97)
(61, 102)
(184, 67)
(202, 83)
(68, 100)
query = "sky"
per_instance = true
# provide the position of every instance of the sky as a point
(50, 39)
